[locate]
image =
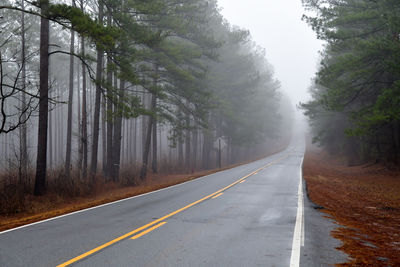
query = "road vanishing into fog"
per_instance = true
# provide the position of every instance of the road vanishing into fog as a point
(251, 215)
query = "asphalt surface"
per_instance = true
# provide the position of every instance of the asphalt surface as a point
(244, 216)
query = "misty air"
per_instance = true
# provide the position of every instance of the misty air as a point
(199, 133)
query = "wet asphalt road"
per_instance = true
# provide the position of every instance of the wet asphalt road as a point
(244, 216)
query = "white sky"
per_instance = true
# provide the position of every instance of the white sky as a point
(291, 46)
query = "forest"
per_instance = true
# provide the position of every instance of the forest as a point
(101, 91)
(355, 105)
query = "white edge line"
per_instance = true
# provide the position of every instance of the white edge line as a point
(102, 205)
(298, 228)
(303, 235)
(117, 201)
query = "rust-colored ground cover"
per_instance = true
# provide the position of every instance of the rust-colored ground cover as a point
(365, 202)
(52, 205)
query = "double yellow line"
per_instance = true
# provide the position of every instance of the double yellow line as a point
(159, 221)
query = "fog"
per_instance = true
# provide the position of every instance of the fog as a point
(291, 45)
(176, 89)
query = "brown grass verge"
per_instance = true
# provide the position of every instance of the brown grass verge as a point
(365, 201)
(52, 205)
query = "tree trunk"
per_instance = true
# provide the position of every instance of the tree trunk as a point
(206, 150)
(59, 124)
(110, 123)
(70, 100)
(117, 139)
(80, 148)
(187, 144)
(145, 123)
(50, 138)
(160, 147)
(134, 159)
(96, 115)
(146, 151)
(194, 158)
(130, 130)
(23, 132)
(180, 144)
(103, 134)
(180, 151)
(84, 112)
(154, 122)
(41, 159)
(154, 163)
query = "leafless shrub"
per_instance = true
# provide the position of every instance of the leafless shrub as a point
(12, 195)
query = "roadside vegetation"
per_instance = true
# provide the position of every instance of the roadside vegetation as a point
(103, 94)
(364, 201)
(354, 116)
(27, 208)
(355, 106)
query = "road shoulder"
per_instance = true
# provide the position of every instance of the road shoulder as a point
(319, 246)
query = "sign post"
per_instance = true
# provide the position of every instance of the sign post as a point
(219, 144)
(219, 152)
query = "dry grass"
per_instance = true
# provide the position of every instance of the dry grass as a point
(65, 197)
(365, 201)
(52, 204)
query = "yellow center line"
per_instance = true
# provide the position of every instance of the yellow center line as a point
(148, 230)
(217, 195)
(90, 252)
(242, 181)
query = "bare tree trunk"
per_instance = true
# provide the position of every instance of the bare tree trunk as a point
(200, 152)
(129, 131)
(110, 123)
(195, 140)
(60, 130)
(117, 138)
(144, 126)
(70, 100)
(90, 106)
(80, 148)
(187, 144)
(160, 150)
(154, 122)
(103, 134)
(41, 159)
(170, 154)
(154, 164)
(134, 159)
(96, 115)
(180, 152)
(143, 171)
(124, 142)
(84, 112)
(55, 123)
(206, 149)
(50, 138)
(23, 132)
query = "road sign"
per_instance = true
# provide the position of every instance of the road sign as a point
(220, 143)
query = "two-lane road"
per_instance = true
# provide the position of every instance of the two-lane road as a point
(250, 215)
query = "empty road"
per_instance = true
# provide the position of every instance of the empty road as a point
(251, 215)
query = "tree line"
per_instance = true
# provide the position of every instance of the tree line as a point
(355, 106)
(118, 82)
